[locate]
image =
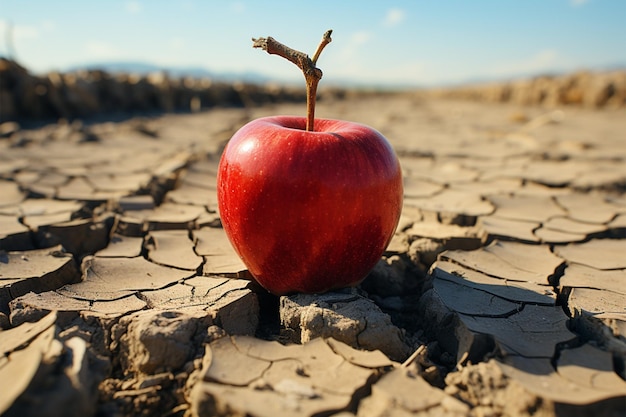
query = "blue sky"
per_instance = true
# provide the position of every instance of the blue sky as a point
(421, 42)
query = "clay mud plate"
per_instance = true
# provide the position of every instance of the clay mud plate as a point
(503, 292)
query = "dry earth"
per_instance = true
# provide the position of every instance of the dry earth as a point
(502, 294)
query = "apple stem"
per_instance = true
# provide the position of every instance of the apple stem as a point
(312, 74)
(326, 39)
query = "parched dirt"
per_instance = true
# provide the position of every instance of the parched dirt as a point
(502, 293)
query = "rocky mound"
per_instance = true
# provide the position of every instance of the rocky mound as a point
(88, 93)
(588, 89)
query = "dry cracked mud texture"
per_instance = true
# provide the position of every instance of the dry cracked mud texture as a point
(502, 293)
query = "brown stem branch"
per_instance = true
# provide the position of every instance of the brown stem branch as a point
(326, 39)
(312, 74)
(273, 47)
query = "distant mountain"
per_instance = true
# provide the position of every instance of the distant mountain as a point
(118, 67)
(138, 67)
(194, 72)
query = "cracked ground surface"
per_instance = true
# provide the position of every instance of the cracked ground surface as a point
(502, 293)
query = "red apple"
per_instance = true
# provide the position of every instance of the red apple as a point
(309, 211)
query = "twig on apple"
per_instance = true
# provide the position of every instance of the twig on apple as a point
(312, 74)
(326, 39)
(272, 46)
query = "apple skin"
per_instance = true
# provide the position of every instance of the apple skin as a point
(309, 211)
